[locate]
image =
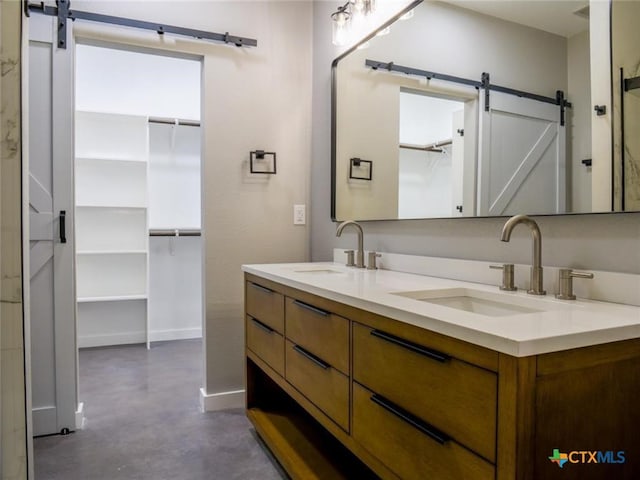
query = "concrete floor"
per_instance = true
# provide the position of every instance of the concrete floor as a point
(143, 422)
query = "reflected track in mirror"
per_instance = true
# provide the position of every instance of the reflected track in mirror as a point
(473, 109)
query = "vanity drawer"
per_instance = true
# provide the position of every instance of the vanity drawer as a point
(454, 396)
(322, 384)
(265, 342)
(265, 305)
(320, 332)
(407, 445)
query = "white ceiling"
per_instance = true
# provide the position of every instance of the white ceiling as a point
(554, 16)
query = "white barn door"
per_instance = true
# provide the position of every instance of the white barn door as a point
(51, 214)
(521, 157)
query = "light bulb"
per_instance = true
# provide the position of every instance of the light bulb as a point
(407, 15)
(341, 20)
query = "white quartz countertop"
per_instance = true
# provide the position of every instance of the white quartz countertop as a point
(554, 325)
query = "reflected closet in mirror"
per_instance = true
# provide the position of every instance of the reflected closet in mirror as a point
(487, 108)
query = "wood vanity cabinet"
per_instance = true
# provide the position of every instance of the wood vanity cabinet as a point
(338, 392)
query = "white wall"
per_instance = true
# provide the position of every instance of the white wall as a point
(367, 129)
(425, 119)
(601, 241)
(254, 98)
(425, 183)
(579, 122)
(175, 288)
(175, 263)
(174, 176)
(118, 81)
(601, 142)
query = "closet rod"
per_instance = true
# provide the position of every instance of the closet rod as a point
(177, 232)
(432, 147)
(174, 121)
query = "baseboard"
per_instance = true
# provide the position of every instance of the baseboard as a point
(104, 340)
(45, 421)
(80, 418)
(175, 334)
(221, 401)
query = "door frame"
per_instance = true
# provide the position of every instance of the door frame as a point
(114, 37)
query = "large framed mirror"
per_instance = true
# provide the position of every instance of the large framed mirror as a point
(490, 108)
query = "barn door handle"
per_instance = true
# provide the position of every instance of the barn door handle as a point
(63, 226)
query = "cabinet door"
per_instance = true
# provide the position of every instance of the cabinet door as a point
(409, 446)
(52, 296)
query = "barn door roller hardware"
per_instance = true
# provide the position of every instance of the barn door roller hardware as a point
(484, 83)
(63, 11)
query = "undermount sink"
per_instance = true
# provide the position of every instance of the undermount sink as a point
(481, 302)
(317, 270)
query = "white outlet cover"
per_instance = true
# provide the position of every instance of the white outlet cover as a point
(299, 215)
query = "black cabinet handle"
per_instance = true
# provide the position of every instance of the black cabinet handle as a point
(414, 347)
(63, 226)
(262, 326)
(261, 288)
(412, 420)
(311, 308)
(311, 356)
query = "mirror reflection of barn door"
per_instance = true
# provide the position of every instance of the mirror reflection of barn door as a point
(522, 147)
(51, 240)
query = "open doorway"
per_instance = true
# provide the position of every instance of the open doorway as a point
(138, 207)
(139, 250)
(129, 225)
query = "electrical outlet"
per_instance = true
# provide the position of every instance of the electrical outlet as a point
(299, 215)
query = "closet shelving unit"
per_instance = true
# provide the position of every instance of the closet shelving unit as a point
(112, 243)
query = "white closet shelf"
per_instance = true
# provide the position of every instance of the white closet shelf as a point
(111, 252)
(124, 207)
(113, 298)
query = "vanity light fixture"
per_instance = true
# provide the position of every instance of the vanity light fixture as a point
(352, 14)
(341, 20)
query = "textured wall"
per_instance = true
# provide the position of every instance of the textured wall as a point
(13, 446)
(254, 98)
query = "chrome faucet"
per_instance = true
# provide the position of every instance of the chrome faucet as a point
(536, 287)
(360, 251)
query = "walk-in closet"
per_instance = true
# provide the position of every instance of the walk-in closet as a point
(137, 197)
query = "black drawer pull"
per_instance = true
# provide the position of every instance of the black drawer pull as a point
(414, 347)
(311, 357)
(412, 420)
(311, 308)
(262, 326)
(261, 288)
